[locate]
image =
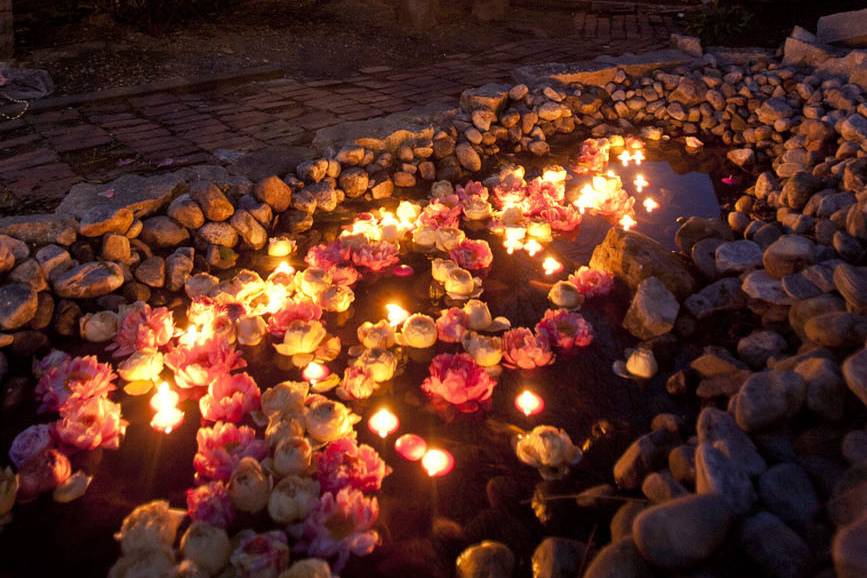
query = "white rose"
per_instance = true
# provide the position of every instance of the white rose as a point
(549, 449)
(141, 366)
(565, 294)
(149, 526)
(292, 499)
(447, 238)
(478, 314)
(328, 420)
(282, 426)
(285, 398)
(206, 545)
(292, 456)
(301, 337)
(314, 281)
(424, 237)
(382, 363)
(419, 331)
(440, 269)
(379, 334)
(251, 330)
(249, 486)
(460, 283)
(486, 351)
(337, 298)
(308, 568)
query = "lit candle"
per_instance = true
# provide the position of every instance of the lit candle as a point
(411, 447)
(165, 402)
(315, 372)
(624, 158)
(532, 247)
(529, 403)
(383, 423)
(284, 268)
(638, 156)
(396, 314)
(551, 266)
(650, 204)
(627, 222)
(640, 182)
(437, 462)
(514, 239)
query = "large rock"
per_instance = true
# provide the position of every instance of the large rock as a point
(602, 69)
(102, 219)
(760, 285)
(788, 493)
(789, 254)
(41, 229)
(850, 550)
(212, 200)
(384, 133)
(646, 454)
(768, 397)
(682, 532)
(18, 305)
(722, 295)
(718, 474)
(798, 51)
(718, 428)
(161, 232)
(275, 192)
(619, 559)
(694, 229)
(633, 257)
(847, 28)
(487, 559)
(855, 374)
(775, 547)
(141, 195)
(738, 256)
(653, 310)
(89, 280)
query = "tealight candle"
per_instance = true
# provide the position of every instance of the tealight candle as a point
(650, 204)
(410, 447)
(640, 182)
(315, 372)
(284, 268)
(383, 423)
(532, 247)
(402, 271)
(529, 403)
(627, 222)
(624, 158)
(637, 157)
(437, 462)
(551, 266)
(396, 314)
(165, 402)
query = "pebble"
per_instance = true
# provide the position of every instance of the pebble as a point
(720, 475)
(621, 522)
(619, 559)
(18, 304)
(186, 211)
(757, 347)
(722, 295)
(653, 310)
(851, 282)
(787, 492)
(836, 329)
(102, 219)
(768, 397)
(661, 487)
(643, 456)
(152, 272)
(760, 285)
(719, 429)
(775, 547)
(789, 254)
(253, 234)
(278, 194)
(214, 204)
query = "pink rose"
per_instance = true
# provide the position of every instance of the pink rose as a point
(211, 503)
(451, 325)
(75, 378)
(375, 255)
(42, 473)
(222, 446)
(438, 215)
(592, 282)
(344, 463)
(523, 349)
(357, 383)
(230, 398)
(90, 424)
(510, 191)
(565, 329)
(458, 380)
(30, 442)
(345, 276)
(263, 555)
(472, 255)
(143, 329)
(342, 524)
(561, 218)
(473, 189)
(201, 363)
(292, 311)
(327, 255)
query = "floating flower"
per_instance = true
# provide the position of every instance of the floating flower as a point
(486, 351)
(301, 337)
(478, 316)
(42, 473)
(282, 427)
(424, 237)
(90, 424)
(560, 218)
(344, 276)
(381, 363)
(477, 209)
(249, 486)
(440, 269)
(327, 255)
(459, 381)
(200, 364)
(592, 282)
(292, 499)
(565, 294)
(150, 526)
(337, 298)
(357, 383)
(263, 555)
(251, 330)
(472, 190)
(376, 256)
(379, 334)
(447, 238)
(451, 325)
(418, 331)
(565, 329)
(549, 449)
(221, 447)
(525, 350)
(293, 310)
(472, 254)
(30, 442)
(207, 546)
(286, 397)
(292, 456)
(230, 398)
(313, 282)
(343, 463)
(141, 366)
(342, 524)
(210, 503)
(75, 378)
(438, 215)
(328, 420)
(142, 328)
(460, 284)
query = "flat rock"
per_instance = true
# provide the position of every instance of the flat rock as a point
(385, 133)
(141, 195)
(102, 219)
(18, 305)
(768, 397)
(738, 257)
(775, 547)
(41, 229)
(722, 295)
(653, 310)
(760, 285)
(601, 70)
(789, 254)
(846, 28)
(851, 282)
(89, 280)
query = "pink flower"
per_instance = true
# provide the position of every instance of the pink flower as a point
(143, 329)
(342, 524)
(55, 358)
(30, 442)
(547, 190)
(230, 398)
(565, 329)
(263, 555)
(357, 383)
(344, 276)
(327, 255)
(523, 349)
(592, 282)
(200, 364)
(458, 380)
(292, 311)
(90, 424)
(509, 192)
(451, 325)
(42, 473)
(438, 215)
(561, 218)
(211, 503)
(472, 255)
(75, 378)
(222, 446)
(344, 463)
(376, 256)
(470, 190)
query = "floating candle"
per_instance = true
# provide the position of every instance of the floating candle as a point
(315, 372)
(637, 157)
(624, 158)
(402, 271)
(437, 462)
(411, 447)
(627, 222)
(514, 239)
(529, 403)
(650, 204)
(551, 266)
(532, 247)
(383, 423)
(640, 182)
(165, 402)
(396, 314)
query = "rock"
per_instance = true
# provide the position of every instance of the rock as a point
(221, 234)
(619, 559)
(855, 374)
(653, 310)
(836, 329)
(558, 558)
(30, 273)
(760, 285)
(800, 51)
(646, 454)
(719, 429)
(722, 295)
(18, 304)
(40, 229)
(163, 232)
(743, 158)
(694, 229)
(683, 531)
(738, 257)
(179, 267)
(778, 550)
(717, 474)
(851, 282)
(186, 211)
(689, 44)
(825, 392)
(849, 550)
(468, 157)
(490, 10)
(802, 311)
(847, 28)
(633, 257)
(211, 199)
(312, 171)
(66, 316)
(661, 487)
(274, 160)
(799, 188)
(253, 234)
(115, 248)
(44, 311)
(88, 280)
(275, 192)
(798, 287)
(102, 219)
(487, 559)
(768, 397)
(354, 182)
(789, 254)
(152, 272)
(703, 255)
(141, 195)
(621, 522)
(681, 464)
(854, 446)
(758, 346)
(98, 327)
(490, 96)
(200, 284)
(856, 220)
(788, 493)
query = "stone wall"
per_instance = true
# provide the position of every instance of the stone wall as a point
(7, 34)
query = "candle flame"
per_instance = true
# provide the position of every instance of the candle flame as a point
(411, 447)
(315, 372)
(437, 462)
(165, 402)
(551, 266)
(640, 182)
(532, 247)
(650, 204)
(529, 403)
(637, 157)
(514, 239)
(284, 268)
(396, 314)
(383, 423)
(627, 222)
(624, 157)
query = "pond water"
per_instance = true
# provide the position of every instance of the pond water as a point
(424, 522)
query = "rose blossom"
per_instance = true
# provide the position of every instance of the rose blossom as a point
(472, 190)
(438, 215)
(286, 397)
(90, 424)
(293, 310)
(142, 328)
(76, 378)
(476, 209)
(458, 380)
(312, 281)
(42, 473)
(249, 486)
(381, 363)
(337, 298)
(210, 503)
(343, 463)
(460, 284)
(222, 446)
(486, 351)
(376, 256)
(150, 526)
(565, 329)
(141, 366)
(447, 238)
(30, 442)
(230, 398)
(379, 334)
(328, 420)
(207, 546)
(478, 316)
(327, 255)
(472, 254)
(549, 449)
(263, 555)
(561, 218)
(523, 349)
(292, 499)
(199, 364)
(357, 383)
(341, 525)
(451, 325)
(592, 282)
(418, 331)
(301, 337)
(292, 456)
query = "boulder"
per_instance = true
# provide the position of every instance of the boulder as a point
(142, 196)
(18, 305)
(768, 397)
(653, 310)
(775, 547)
(89, 280)
(41, 229)
(846, 28)
(789, 254)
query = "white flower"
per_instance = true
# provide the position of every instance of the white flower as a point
(440, 269)
(308, 568)
(292, 499)
(565, 294)
(149, 526)
(379, 334)
(206, 545)
(486, 351)
(424, 237)
(301, 337)
(478, 314)
(141, 366)
(285, 398)
(447, 238)
(328, 420)
(251, 330)
(460, 284)
(313, 282)
(549, 449)
(337, 298)
(249, 486)
(292, 456)
(477, 209)
(381, 363)
(419, 331)
(98, 327)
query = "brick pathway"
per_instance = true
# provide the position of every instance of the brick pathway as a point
(43, 154)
